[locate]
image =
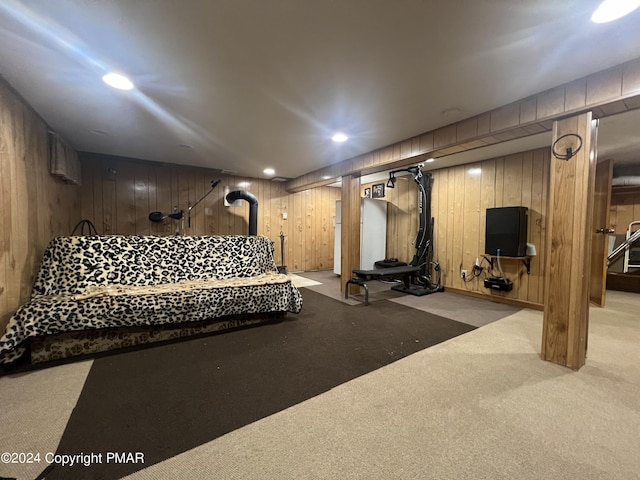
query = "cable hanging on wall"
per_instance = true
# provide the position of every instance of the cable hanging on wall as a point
(569, 151)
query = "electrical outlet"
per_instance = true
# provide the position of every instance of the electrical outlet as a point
(464, 274)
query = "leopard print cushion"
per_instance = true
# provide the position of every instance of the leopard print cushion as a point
(208, 274)
(71, 264)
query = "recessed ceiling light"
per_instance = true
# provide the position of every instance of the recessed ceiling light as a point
(429, 160)
(611, 10)
(339, 137)
(269, 171)
(117, 80)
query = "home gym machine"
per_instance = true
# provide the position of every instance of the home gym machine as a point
(422, 283)
(417, 276)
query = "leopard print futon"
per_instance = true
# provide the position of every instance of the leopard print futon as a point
(96, 282)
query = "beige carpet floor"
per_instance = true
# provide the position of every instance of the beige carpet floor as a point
(480, 406)
(300, 282)
(36, 407)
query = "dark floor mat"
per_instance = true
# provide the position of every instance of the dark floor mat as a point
(164, 400)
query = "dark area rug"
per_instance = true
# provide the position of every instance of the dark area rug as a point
(165, 400)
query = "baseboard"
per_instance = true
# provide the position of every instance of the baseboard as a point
(624, 282)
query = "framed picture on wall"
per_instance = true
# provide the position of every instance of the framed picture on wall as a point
(367, 192)
(377, 191)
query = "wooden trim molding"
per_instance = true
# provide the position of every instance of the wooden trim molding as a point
(605, 93)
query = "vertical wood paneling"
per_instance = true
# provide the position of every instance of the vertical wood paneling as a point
(162, 200)
(185, 196)
(542, 258)
(6, 157)
(285, 201)
(298, 243)
(36, 206)
(459, 203)
(86, 200)
(439, 199)
(124, 201)
(406, 227)
(328, 229)
(459, 226)
(277, 224)
(109, 210)
(95, 194)
(471, 221)
(487, 200)
(200, 185)
(624, 210)
(512, 196)
(526, 199)
(499, 181)
(539, 172)
(141, 196)
(13, 174)
(311, 232)
(435, 212)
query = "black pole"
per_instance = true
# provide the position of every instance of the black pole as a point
(253, 207)
(282, 268)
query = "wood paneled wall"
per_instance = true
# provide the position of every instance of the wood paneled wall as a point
(36, 206)
(461, 196)
(402, 217)
(118, 194)
(625, 200)
(625, 208)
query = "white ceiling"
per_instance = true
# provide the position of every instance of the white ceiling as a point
(247, 84)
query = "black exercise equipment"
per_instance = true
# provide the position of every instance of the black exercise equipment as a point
(422, 283)
(362, 276)
(389, 262)
(416, 276)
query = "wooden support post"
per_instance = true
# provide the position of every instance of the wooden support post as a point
(350, 237)
(568, 261)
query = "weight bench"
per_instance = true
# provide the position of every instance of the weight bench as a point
(363, 276)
